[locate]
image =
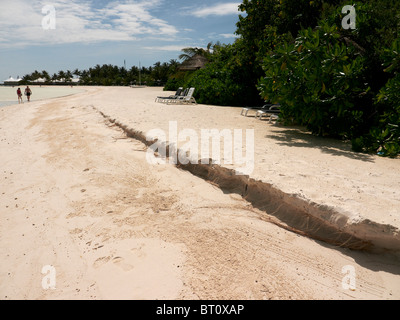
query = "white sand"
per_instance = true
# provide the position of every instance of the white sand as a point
(78, 195)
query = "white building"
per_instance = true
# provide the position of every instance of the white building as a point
(12, 82)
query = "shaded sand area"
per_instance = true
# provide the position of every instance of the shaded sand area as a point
(77, 194)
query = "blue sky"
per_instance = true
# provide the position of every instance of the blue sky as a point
(64, 35)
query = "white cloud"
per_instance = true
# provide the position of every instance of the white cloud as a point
(78, 21)
(221, 9)
(167, 48)
(228, 35)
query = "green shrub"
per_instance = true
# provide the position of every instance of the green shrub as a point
(175, 81)
(316, 79)
(225, 80)
(386, 137)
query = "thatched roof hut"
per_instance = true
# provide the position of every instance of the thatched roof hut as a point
(194, 63)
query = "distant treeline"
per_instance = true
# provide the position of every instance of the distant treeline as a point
(109, 75)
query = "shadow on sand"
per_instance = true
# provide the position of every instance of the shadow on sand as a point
(299, 137)
(377, 260)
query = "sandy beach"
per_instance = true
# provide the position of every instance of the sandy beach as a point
(79, 197)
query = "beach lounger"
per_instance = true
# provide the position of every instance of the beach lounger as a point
(187, 99)
(246, 110)
(175, 96)
(271, 111)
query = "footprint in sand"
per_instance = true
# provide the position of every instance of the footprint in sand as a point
(119, 261)
(101, 261)
(139, 252)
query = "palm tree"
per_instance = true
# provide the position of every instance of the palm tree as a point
(68, 76)
(173, 64)
(77, 72)
(46, 75)
(36, 75)
(191, 52)
(61, 75)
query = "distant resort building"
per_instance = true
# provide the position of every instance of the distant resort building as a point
(59, 82)
(41, 81)
(12, 82)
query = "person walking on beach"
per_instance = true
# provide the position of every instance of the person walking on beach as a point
(28, 93)
(19, 93)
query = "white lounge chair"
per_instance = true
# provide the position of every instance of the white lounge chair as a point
(246, 110)
(272, 112)
(187, 99)
(175, 96)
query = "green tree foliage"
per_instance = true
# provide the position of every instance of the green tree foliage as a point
(226, 79)
(191, 52)
(384, 136)
(316, 79)
(264, 21)
(337, 82)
